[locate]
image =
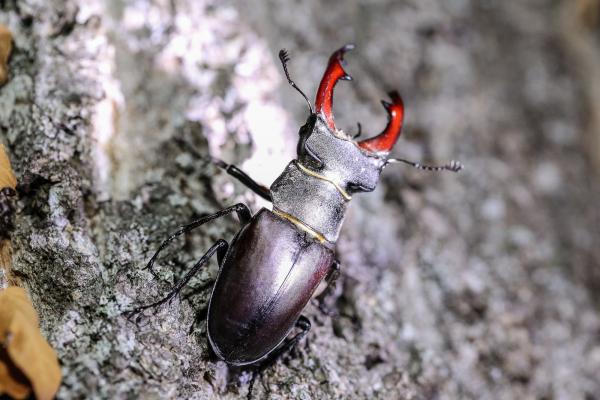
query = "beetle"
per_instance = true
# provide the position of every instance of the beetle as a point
(276, 261)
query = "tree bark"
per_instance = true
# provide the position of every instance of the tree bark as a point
(481, 285)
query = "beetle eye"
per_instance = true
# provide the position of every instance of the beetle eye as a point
(333, 73)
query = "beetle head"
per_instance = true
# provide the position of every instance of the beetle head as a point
(331, 152)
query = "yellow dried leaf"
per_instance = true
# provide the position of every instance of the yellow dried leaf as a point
(5, 49)
(7, 176)
(588, 12)
(27, 362)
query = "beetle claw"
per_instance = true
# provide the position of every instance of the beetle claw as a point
(150, 268)
(136, 315)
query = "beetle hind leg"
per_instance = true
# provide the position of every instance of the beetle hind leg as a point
(288, 345)
(303, 323)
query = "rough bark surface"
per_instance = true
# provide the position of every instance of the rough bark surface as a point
(482, 285)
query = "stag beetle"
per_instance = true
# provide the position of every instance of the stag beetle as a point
(273, 265)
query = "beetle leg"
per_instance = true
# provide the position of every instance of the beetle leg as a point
(251, 384)
(331, 279)
(335, 272)
(232, 170)
(221, 252)
(243, 214)
(220, 247)
(246, 180)
(304, 324)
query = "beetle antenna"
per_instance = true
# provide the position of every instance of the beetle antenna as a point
(284, 57)
(454, 166)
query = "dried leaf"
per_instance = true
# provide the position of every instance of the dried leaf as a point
(6, 276)
(27, 362)
(588, 12)
(5, 49)
(8, 183)
(7, 176)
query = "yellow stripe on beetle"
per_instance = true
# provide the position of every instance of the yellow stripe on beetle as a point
(307, 171)
(300, 225)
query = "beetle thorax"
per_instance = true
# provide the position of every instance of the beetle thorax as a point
(315, 190)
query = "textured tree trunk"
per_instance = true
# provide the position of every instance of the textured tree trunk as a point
(481, 285)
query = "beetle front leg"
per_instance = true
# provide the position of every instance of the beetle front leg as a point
(232, 170)
(244, 178)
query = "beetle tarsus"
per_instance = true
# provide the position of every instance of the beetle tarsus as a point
(220, 247)
(284, 57)
(255, 374)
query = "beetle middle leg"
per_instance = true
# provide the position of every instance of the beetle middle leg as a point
(220, 247)
(241, 209)
(331, 280)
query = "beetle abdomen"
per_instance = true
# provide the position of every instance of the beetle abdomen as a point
(268, 276)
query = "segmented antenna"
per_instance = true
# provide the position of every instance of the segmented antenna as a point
(285, 58)
(453, 165)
